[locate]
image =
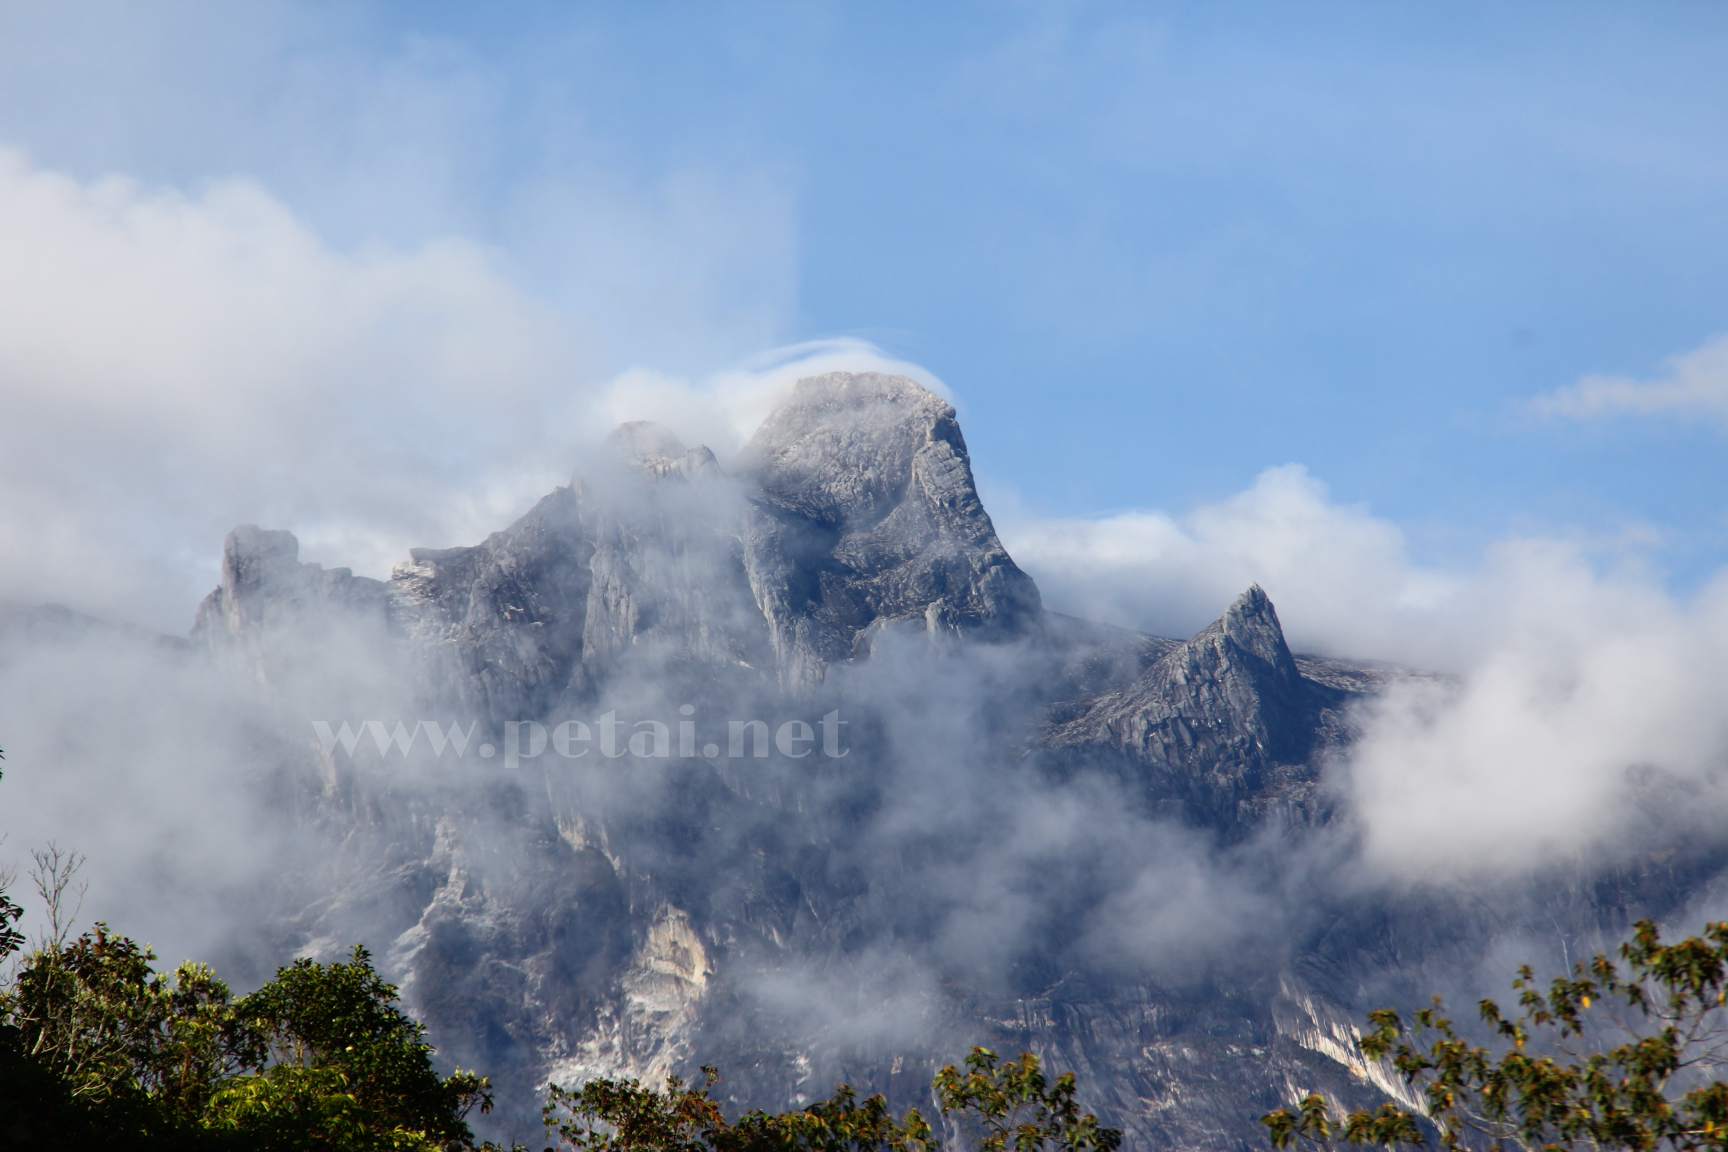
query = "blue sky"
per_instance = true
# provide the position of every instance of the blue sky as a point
(1153, 249)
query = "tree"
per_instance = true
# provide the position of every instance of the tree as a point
(10, 938)
(1611, 1056)
(124, 1039)
(623, 1116)
(97, 1048)
(345, 1066)
(841, 1123)
(1008, 1106)
(36, 1107)
(1017, 1110)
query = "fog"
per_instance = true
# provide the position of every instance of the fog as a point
(141, 763)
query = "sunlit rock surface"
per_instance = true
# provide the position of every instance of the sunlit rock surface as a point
(865, 516)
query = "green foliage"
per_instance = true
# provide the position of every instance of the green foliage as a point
(36, 1106)
(1017, 1109)
(838, 1124)
(1010, 1106)
(293, 1107)
(10, 938)
(623, 1116)
(1611, 1056)
(122, 1036)
(99, 1049)
(343, 1019)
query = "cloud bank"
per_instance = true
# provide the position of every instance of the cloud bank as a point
(725, 408)
(178, 362)
(175, 363)
(1341, 577)
(1696, 383)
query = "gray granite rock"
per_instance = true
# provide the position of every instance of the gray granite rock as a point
(668, 575)
(270, 609)
(855, 513)
(497, 629)
(1217, 728)
(866, 517)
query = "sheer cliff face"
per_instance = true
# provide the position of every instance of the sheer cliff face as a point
(866, 517)
(668, 565)
(973, 871)
(496, 629)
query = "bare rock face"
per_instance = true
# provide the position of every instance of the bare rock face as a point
(269, 603)
(637, 558)
(856, 512)
(867, 517)
(1215, 726)
(265, 585)
(668, 578)
(497, 629)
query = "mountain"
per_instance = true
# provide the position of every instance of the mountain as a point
(1219, 729)
(864, 517)
(783, 766)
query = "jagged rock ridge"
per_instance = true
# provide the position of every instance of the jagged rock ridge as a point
(856, 512)
(1223, 720)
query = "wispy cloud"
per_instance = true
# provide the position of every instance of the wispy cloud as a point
(1341, 576)
(723, 409)
(1696, 383)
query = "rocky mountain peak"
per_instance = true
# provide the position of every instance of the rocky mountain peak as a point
(1217, 726)
(866, 516)
(565, 918)
(855, 512)
(266, 590)
(264, 583)
(253, 557)
(841, 446)
(645, 441)
(654, 449)
(1251, 624)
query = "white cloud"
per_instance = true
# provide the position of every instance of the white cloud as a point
(1594, 700)
(1340, 577)
(723, 409)
(173, 364)
(1696, 382)
(170, 749)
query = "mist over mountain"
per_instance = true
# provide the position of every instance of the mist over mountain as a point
(783, 764)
